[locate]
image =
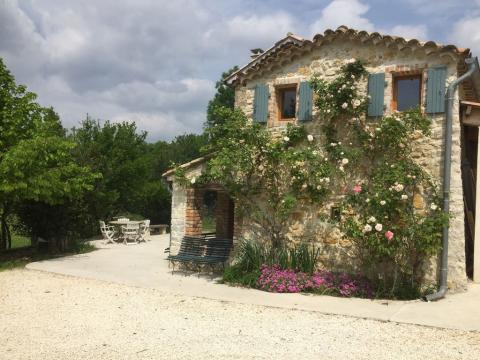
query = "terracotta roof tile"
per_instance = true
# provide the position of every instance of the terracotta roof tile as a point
(283, 48)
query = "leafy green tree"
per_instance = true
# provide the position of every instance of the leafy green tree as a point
(224, 97)
(36, 161)
(117, 151)
(267, 176)
(161, 155)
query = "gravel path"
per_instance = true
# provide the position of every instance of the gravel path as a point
(47, 316)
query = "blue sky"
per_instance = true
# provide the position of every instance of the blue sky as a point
(156, 62)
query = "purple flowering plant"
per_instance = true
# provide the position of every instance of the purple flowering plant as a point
(275, 279)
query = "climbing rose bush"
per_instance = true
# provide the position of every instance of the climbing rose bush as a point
(275, 279)
(390, 207)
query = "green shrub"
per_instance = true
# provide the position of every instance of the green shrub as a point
(252, 255)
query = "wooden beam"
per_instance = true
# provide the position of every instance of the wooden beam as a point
(476, 239)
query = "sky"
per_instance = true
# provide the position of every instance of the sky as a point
(156, 62)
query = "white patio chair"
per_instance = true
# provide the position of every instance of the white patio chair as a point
(145, 230)
(108, 232)
(130, 232)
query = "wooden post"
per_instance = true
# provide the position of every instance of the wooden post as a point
(476, 239)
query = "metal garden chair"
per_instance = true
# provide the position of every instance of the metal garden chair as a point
(108, 232)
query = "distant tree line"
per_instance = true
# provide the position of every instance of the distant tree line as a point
(56, 183)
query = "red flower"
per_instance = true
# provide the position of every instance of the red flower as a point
(389, 235)
(357, 189)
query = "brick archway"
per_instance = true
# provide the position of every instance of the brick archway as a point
(224, 212)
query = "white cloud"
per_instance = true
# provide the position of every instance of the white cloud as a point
(466, 33)
(260, 29)
(343, 12)
(410, 31)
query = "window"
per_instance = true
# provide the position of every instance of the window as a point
(287, 102)
(406, 92)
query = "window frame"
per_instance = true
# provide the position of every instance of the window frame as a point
(279, 91)
(396, 78)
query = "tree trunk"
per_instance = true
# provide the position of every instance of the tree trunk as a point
(4, 243)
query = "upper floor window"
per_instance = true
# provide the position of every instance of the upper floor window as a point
(287, 102)
(406, 92)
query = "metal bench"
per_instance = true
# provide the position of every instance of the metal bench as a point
(202, 251)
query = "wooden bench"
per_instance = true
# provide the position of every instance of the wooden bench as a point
(160, 229)
(202, 251)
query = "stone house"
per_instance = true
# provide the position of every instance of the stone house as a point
(272, 89)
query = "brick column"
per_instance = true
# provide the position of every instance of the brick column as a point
(193, 218)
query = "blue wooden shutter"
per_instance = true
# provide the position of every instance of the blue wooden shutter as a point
(376, 90)
(436, 90)
(260, 104)
(305, 99)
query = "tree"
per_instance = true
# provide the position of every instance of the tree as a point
(117, 151)
(36, 162)
(224, 97)
(268, 177)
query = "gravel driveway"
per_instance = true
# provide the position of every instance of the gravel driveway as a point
(48, 316)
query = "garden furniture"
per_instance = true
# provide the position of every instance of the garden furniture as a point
(160, 229)
(202, 251)
(144, 230)
(130, 233)
(108, 232)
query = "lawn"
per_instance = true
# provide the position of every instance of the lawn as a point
(22, 253)
(20, 241)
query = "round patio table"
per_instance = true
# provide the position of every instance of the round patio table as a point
(118, 226)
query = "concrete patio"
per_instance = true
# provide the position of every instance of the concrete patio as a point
(145, 265)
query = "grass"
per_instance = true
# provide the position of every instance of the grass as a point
(208, 223)
(21, 256)
(20, 241)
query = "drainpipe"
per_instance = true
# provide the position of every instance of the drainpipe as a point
(472, 64)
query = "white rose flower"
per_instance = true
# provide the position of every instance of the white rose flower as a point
(367, 200)
(404, 197)
(344, 161)
(304, 186)
(356, 103)
(433, 206)
(398, 187)
(371, 219)
(339, 143)
(192, 180)
(383, 202)
(286, 138)
(367, 228)
(261, 168)
(319, 187)
(344, 105)
(310, 138)
(341, 168)
(315, 152)
(351, 61)
(328, 110)
(327, 180)
(379, 227)
(326, 159)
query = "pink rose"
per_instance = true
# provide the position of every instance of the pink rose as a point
(389, 235)
(357, 189)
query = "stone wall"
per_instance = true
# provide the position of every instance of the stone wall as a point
(325, 62)
(177, 228)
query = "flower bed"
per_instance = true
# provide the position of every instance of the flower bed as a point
(275, 279)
